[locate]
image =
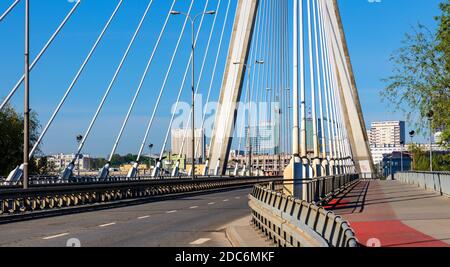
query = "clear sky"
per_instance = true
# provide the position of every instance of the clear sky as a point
(374, 31)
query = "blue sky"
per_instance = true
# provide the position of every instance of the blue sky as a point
(374, 31)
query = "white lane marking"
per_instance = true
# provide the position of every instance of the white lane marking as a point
(144, 217)
(226, 200)
(211, 203)
(106, 225)
(172, 211)
(55, 236)
(200, 241)
(193, 207)
(238, 197)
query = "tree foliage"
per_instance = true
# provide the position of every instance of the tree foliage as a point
(421, 78)
(11, 139)
(421, 160)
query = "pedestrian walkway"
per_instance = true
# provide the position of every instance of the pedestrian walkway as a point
(391, 214)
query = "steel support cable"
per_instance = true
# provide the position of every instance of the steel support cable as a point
(296, 141)
(335, 110)
(262, 83)
(303, 137)
(41, 53)
(280, 88)
(248, 68)
(286, 86)
(77, 76)
(196, 88)
(257, 51)
(141, 83)
(260, 75)
(172, 61)
(325, 76)
(288, 79)
(255, 97)
(329, 67)
(336, 87)
(10, 8)
(338, 111)
(219, 49)
(276, 96)
(240, 38)
(341, 121)
(312, 73)
(268, 69)
(332, 107)
(270, 84)
(112, 82)
(166, 139)
(319, 80)
(340, 134)
(284, 81)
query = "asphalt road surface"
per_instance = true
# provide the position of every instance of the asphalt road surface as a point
(197, 221)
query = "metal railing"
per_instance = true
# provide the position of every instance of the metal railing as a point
(55, 180)
(52, 197)
(434, 181)
(319, 190)
(290, 222)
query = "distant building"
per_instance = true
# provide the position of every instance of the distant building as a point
(386, 137)
(396, 162)
(61, 161)
(379, 151)
(263, 138)
(180, 135)
(391, 133)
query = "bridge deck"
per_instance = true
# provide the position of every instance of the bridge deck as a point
(397, 215)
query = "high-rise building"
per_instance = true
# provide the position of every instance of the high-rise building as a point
(180, 135)
(264, 138)
(386, 137)
(387, 133)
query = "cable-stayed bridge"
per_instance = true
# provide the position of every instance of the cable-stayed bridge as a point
(285, 91)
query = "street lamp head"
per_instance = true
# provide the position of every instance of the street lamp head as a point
(260, 62)
(211, 12)
(174, 12)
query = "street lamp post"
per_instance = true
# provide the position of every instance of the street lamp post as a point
(26, 117)
(79, 139)
(193, 19)
(150, 147)
(249, 142)
(430, 120)
(402, 143)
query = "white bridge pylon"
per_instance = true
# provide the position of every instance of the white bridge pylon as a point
(339, 139)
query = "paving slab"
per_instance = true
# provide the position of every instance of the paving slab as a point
(391, 214)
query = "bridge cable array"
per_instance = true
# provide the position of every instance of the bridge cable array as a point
(265, 125)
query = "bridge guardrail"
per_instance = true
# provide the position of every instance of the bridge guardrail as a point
(55, 180)
(320, 190)
(42, 198)
(290, 222)
(435, 181)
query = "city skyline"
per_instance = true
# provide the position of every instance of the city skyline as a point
(361, 19)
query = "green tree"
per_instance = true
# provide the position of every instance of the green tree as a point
(421, 75)
(11, 139)
(421, 160)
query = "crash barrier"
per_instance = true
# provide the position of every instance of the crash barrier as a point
(291, 222)
(318, 190)
(40, 198)
(434, 181)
